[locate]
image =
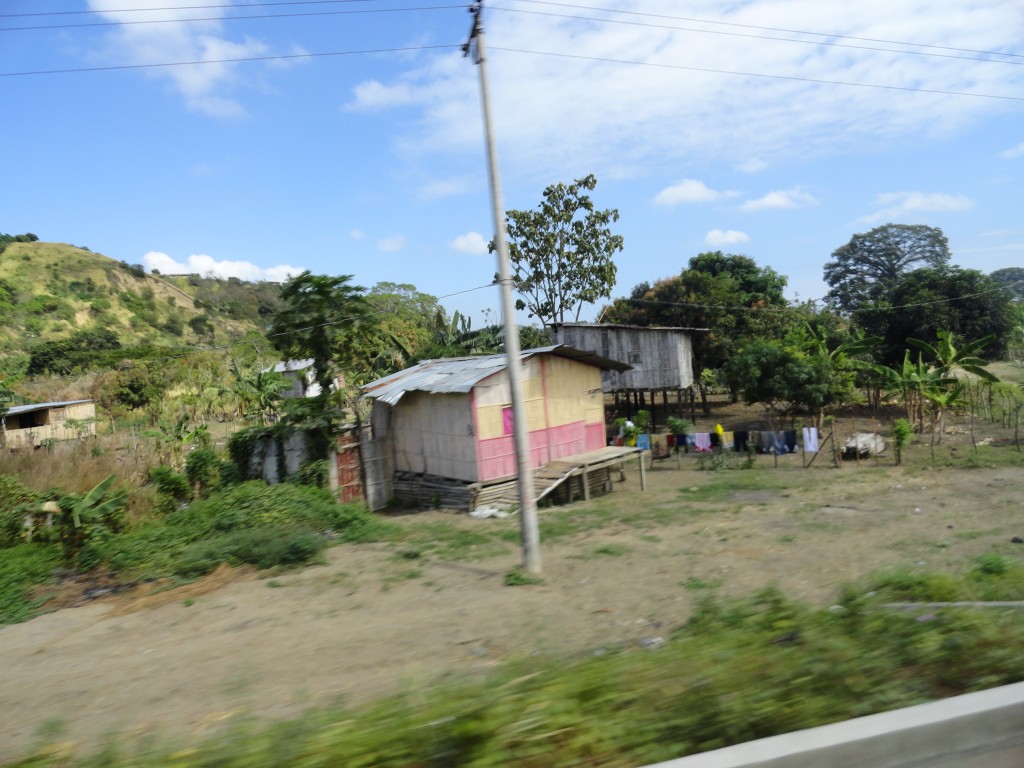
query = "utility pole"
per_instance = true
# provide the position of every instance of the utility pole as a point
(528, 528)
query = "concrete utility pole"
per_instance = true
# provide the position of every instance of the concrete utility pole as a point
(528, 528)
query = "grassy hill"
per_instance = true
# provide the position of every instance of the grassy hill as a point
(51, 291)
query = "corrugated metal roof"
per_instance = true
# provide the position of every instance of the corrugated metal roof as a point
(458, 375)
(16, 409)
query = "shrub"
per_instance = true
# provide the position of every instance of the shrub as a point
(169, 482)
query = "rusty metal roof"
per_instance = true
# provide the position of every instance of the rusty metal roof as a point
(458, 375)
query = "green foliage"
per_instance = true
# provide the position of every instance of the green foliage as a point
(678, 426)
(709, 293)
(312, 473)
(561, 254)
(6, 240)
(901, 432)
(740, 670)
(87, 521)
(868, 268)
(80, 350)
(203, 470)
(323, 318)
(965, 302)
(170, 482)
(261, 547)
(781, 377)
(23, 567)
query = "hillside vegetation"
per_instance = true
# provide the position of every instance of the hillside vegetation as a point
(50, 291)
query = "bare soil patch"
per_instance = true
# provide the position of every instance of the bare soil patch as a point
(376, 619)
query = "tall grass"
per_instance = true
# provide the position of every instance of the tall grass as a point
(739, 670)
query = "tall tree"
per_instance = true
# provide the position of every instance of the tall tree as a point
(561, 253)
(727, 294)
(1013, 279)
(323, 318)
(868, 268)
(964, 301)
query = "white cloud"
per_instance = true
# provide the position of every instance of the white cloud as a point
(900, 204)
(689, 191)
(201, 264)
(718, 238)
(442, 188)
(356, 234)
(783, 198)
(392, 244)
(174, 39)
(471, 242)
(596, 113)
(1013, 152)
(754, 165)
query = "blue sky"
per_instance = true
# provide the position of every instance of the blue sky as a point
(353, 143)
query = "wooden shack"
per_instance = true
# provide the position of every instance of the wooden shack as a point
(452, 418)
(660, 360)
(38, 424)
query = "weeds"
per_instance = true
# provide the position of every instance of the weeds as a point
(810, 666)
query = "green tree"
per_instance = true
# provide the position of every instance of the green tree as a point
(965, 302)
(729, 295)
(257, 391)
(781, 377)
(1013, 279)
(868, 268)
(561, 253)
(324, 318)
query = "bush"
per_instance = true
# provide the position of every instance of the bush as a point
(22, 567)
(262, 547)
(169, 482)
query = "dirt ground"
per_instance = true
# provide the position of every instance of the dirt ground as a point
(376, 620)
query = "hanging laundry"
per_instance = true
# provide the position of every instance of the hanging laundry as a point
(767, 442)
(778, 442)
(740, 438)
(702, 442)
(811, 439)
(728, 440)
(790, 435)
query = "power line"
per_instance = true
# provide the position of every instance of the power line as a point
(771, 29)
(759, 74)
(181, 8)
(90, 24)
(307, 55)
(237, 60)
(761, 37)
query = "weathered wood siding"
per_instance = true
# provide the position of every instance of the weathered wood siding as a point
(434, 435)
(662, 358)
(565, 415)
(34, 428)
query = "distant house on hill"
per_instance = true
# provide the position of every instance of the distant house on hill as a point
(30, 426)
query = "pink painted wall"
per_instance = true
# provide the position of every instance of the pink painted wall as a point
(497, 456)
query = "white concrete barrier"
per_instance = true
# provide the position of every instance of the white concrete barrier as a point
(976, 730)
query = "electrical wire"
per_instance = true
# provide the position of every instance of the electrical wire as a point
(771, 29)
(232, 18)
(236, 60)
(816, 43)
(795, 78)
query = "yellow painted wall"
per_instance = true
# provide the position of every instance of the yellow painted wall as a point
(573, 394)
